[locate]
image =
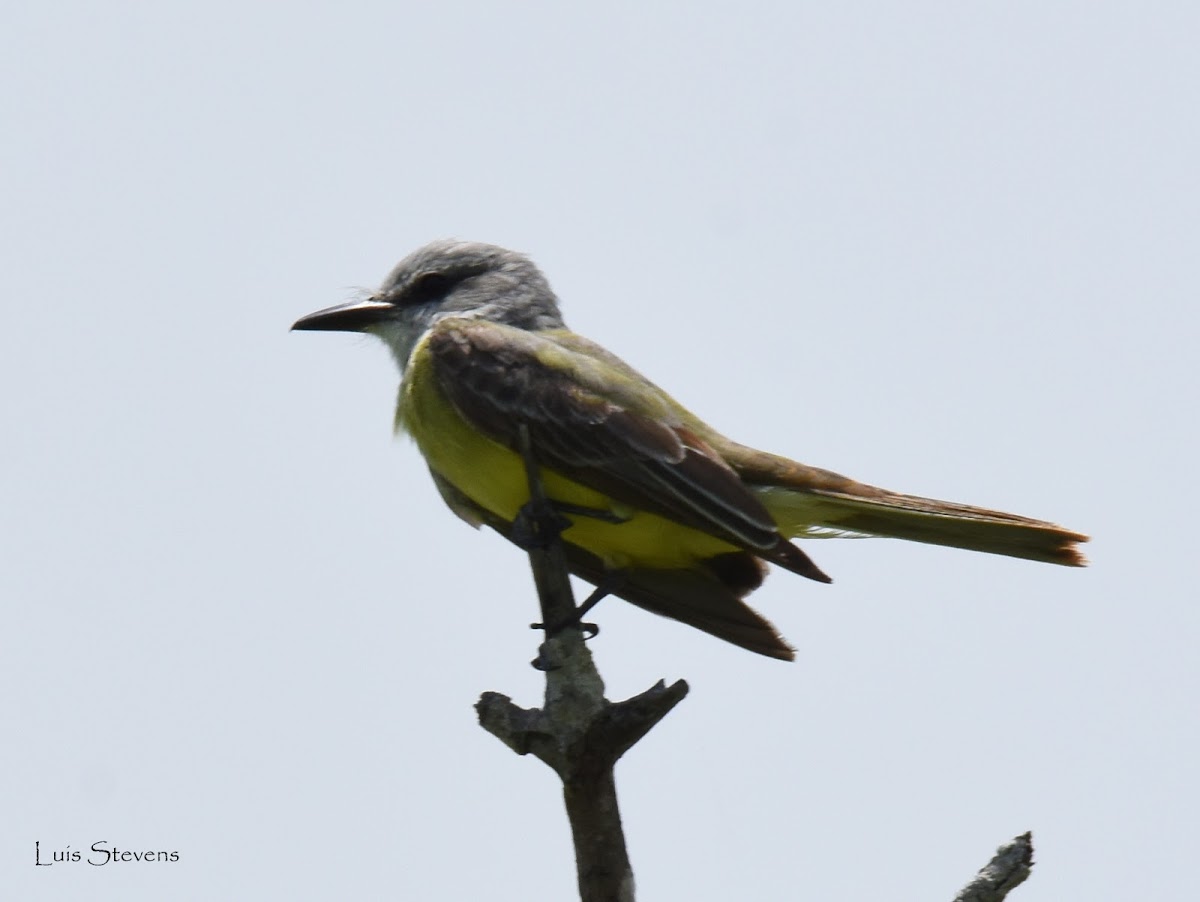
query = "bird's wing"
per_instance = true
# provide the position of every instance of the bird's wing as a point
(603, 427)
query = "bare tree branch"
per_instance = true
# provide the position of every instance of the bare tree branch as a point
(1006, 871)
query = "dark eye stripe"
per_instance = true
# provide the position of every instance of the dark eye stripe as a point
(430, 286)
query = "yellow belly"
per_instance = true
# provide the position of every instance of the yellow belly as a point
(494, 478)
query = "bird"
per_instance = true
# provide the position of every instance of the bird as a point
(659, 508)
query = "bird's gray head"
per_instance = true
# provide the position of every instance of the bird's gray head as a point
(446, 278)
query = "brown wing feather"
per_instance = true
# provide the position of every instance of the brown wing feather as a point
(497, 377)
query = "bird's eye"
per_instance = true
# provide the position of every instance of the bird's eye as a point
(430, 286)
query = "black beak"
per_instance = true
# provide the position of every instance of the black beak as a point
(356, 316)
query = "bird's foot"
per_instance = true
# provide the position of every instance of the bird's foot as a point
(607, 586)
(537, 524)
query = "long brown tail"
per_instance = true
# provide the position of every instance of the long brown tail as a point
(809, 501)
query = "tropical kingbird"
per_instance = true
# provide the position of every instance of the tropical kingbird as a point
(663, 509)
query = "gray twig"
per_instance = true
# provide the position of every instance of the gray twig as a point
(1007, 870)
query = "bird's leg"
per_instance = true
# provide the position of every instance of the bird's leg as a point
(537, 524)
(538, 528)
(542, 519)
(608, 585)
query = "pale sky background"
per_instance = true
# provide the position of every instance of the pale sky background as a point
(949, 248)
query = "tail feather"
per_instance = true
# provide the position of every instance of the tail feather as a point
(807, 500)
(876, 512)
